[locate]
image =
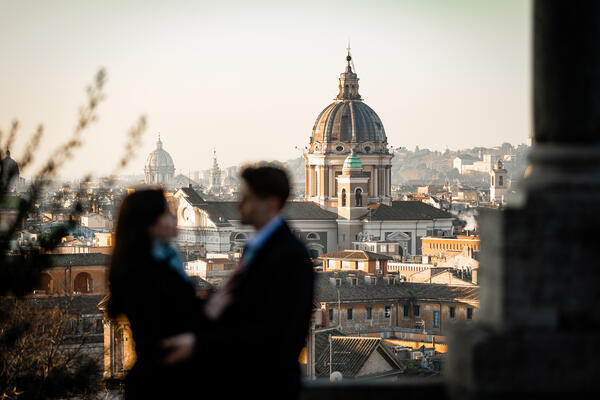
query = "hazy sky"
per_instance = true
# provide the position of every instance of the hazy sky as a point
(249, 78)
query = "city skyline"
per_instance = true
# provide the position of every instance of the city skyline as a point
(251, 79)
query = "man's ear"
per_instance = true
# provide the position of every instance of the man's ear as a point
(276, 203)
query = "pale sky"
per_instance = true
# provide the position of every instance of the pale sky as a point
(249, 78)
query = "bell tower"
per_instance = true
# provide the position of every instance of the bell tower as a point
(352, 190)
(498, 182)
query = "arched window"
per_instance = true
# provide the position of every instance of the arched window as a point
(45, 284)
(313, 236)
(83, 283)
(358, 197)
(343, 197)
(241, 236)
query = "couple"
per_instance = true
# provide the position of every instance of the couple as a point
(247, 336)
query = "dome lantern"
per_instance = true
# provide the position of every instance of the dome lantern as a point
(348, 86)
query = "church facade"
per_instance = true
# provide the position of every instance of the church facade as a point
(348, 191)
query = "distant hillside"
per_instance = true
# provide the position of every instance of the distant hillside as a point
(424, 166)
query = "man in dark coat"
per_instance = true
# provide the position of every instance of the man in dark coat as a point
(260, 318)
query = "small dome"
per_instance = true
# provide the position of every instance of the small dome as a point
(9, 169)
(352, 162)
(9, 166)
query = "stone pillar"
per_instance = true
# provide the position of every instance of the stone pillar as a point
(307, 181)
(540, 288)
(330, 182)
(317, 181)
(375, 180)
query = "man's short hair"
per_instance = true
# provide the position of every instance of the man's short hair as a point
(267, 181)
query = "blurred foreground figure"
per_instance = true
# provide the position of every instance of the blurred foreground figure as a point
(260, 318)
(149, 286)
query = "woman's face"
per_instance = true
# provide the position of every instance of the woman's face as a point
(165, 227)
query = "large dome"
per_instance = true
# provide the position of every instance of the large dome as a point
(348, 119)
(159, 159)
(159, 165)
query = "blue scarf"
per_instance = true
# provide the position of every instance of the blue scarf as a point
(162, 251)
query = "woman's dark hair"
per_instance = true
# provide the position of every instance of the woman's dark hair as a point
(267, 181)
(138, 212)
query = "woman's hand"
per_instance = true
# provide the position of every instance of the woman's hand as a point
(179, 348)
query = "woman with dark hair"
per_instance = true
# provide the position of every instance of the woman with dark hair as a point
(149, 286)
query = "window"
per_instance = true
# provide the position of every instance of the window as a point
(369, 313)
(119, 343)
(358, 197)
(436, 319)
(313, 236)
(331, 314)
(83, 283)
(500, 180)
(388, 311)
(406, 311)
(44, 285)
(349, 313)
(241, 237)
(469, 313)
(338, 282)
(417, 310)
(452, 312)
(99, 326)
(343, 197)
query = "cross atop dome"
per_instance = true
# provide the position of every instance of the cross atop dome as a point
(348, 57)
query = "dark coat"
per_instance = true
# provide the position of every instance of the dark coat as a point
(257, 340)
(160, 304)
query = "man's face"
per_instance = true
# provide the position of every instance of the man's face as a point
(254, 210)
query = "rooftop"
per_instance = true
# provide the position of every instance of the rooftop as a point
(357, 255)
(405, 210)
(350, 353)
(326, 292)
